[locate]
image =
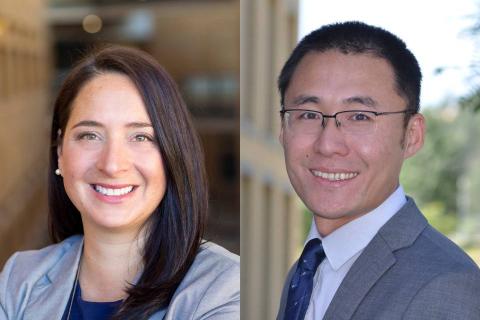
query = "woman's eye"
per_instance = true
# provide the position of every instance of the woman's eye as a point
(87, 136)
(142, 138)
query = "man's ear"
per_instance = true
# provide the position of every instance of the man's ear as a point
(414, 135)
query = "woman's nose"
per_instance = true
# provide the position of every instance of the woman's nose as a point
(114, 157)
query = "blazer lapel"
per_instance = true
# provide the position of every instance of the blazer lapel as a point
(376, 259)
(365, 272)
(50, 295)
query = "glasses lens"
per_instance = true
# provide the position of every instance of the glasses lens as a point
(357, 122)
(304, 121)
(350, 122)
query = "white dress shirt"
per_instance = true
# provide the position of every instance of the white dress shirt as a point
(342, 248)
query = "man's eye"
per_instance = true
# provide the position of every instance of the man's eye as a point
(309, 116)
(359, 116)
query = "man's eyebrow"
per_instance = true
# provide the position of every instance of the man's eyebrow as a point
(305, 99)
(363, 100)
(92, 123)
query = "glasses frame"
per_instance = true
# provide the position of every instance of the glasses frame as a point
(334, 116)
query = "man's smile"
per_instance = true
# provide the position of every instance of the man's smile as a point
(334, 176)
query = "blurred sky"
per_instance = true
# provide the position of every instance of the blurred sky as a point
(435, 31)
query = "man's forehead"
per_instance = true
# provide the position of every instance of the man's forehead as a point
(364, 77)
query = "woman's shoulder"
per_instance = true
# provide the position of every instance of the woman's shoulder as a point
(33, 264)
(26, 280)
(213, 263)
(212, 252)
(210, 288)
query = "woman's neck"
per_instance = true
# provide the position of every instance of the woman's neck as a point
(109, 264)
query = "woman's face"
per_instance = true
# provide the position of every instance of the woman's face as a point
(111, 165)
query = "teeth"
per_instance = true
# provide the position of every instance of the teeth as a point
(113, 192)
(335, 176)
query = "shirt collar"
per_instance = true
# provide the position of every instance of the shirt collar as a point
(348, 240)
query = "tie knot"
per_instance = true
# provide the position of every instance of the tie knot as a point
(312, 255)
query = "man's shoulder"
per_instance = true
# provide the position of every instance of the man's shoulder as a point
(413, 240)
(449, 278)
(442, 253)
(423, 272)
(433, 259)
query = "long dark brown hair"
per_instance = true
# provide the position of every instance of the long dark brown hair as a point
(176, 227)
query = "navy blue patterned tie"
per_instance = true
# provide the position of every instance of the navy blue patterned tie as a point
(302, 281)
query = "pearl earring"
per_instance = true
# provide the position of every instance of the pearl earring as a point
(58, 172)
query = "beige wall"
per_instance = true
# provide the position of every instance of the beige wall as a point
(24, 118)
(271, 216)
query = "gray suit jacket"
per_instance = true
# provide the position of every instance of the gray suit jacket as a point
(36, 285)
(408, 271)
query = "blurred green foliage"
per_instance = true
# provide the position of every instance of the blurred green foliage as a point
(444, 177)
(432, 174)
(436, 213)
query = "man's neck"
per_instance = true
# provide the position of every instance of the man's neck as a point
(327, 226)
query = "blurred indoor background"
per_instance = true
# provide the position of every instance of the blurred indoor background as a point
(198, 42)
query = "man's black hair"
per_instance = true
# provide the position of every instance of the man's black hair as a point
(355, 37)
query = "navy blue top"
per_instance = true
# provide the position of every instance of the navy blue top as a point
(83, 310)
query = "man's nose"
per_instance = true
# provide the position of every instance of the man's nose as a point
(114, 157)
(331, 140)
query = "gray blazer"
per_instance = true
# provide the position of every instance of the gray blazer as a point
(408, 271)
(36, 285)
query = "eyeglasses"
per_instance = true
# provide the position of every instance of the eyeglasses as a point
(310, 122)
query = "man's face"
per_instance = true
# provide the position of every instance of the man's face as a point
(341, 176)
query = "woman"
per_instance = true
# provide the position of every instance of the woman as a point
(128, 202)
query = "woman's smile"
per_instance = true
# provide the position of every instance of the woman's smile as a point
(115, 194)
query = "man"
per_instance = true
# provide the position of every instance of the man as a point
(350, 101)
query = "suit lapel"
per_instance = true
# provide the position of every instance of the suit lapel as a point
(376, 259)
(50, 295)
